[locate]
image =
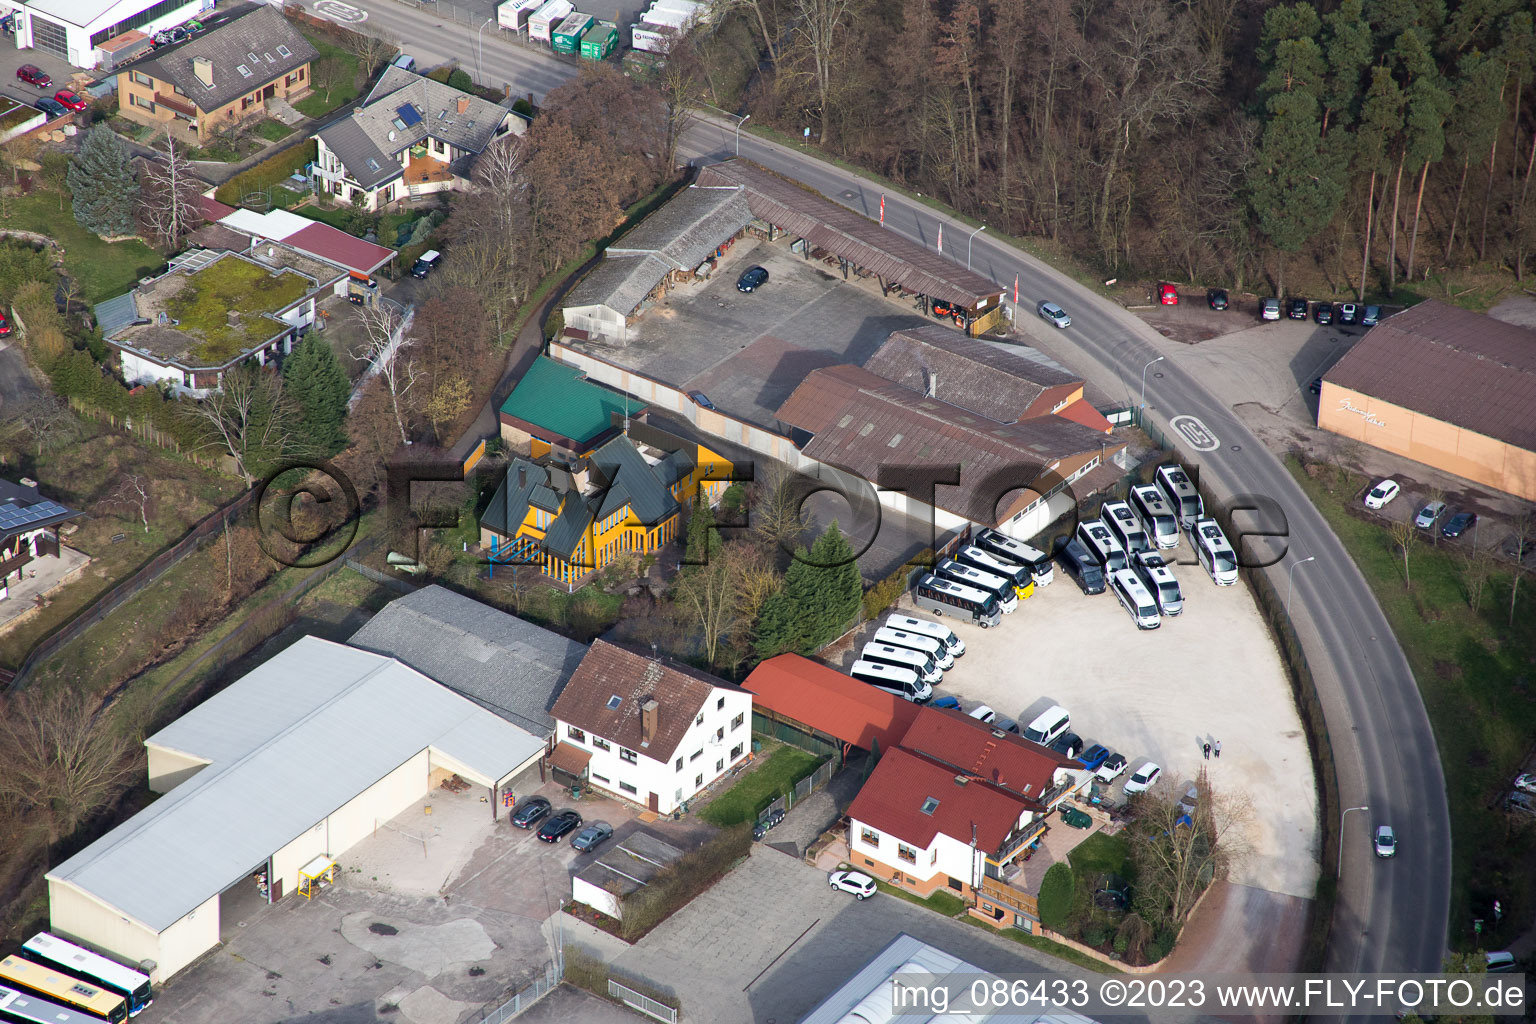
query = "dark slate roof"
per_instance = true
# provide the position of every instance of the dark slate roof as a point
(1453, 365)
(501, 662)
(839, 230)
(632, 481)
(23, 509)
(251, 30)
(861, 423)
(962, 371)
(688, 227)
(364, 161)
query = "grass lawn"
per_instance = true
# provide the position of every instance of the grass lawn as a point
(1474, 672)
(343, 85)
(1044, 945)
(1100, 854)
(273, 131)
(760, 787)
(103, 269)
(941, 902)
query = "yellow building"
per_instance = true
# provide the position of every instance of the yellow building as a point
(572, 516)
(222, 75)
(1446, 387)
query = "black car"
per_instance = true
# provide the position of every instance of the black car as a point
(1370, 316)
(1296, 309)
(52, 107)
(1349, 313)
(1069, 745)
(530, 811)
(593, 836)
(752, 279)
(556, 827)
(1323, 312)
(1458, 524)
(1216, 298)
(1316, 387)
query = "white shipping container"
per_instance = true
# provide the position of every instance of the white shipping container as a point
(686, 6)
(542, 22)
(680, 20)
(650, 40)
(514, 14)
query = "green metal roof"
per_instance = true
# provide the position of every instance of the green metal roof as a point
(557, 398)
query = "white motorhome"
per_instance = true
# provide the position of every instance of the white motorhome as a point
(1007, 548)
(1215, 553)
(902, 682)
(1102, 545)
(1127, 528)
(1157, 515)
(1180, 492)
(925, 627)
(1135, 598)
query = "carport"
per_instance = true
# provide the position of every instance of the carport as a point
(298, 760)
(816, 708)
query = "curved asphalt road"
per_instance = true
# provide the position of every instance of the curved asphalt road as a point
(1391, 915)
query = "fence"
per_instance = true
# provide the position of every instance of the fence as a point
(642, 1002)
(802, 789)
(209, 527)
(794, 734)
(394, 583)
(529, 994)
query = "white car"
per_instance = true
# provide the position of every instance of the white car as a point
(1270, 310)
(1054, 313)
(1526, 782)
(1112, 768)
(1383, 493)
(982, 713)
(1143, 779)
(1386, 841)
(861, 885)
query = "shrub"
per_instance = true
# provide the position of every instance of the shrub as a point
(687, 877)
(1096, 933)
(523, 107)
(440, 74)
(1056, 891)
(459, 79)
(271, 171)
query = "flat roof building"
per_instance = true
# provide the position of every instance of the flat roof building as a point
(74, 30)
(293, 763)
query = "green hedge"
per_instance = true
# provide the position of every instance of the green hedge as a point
(81, 379)
(271, 171)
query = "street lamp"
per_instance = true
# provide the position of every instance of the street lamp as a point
(738, 133)
(480, 52)
(1345, 811)
(1144, 370)
(1290, 578)
(968, 245)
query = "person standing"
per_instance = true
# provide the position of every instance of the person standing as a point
(1207, 749)
(1218, 748)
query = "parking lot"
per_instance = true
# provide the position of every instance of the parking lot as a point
(436, 915)
(748, 351)
(1209, 674)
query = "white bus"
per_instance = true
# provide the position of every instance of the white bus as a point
(903, 657)
(1127, 528)
(1179, 490)
(923, 627)
(978, 558)
(999, 587)
(946, 597)
(1154, 572)
(902, 682)
(1101, 544)
(919, 642)
(1004, 546)
(1156, 515)
(26, 1008)
(51, 951)
(1215, 553)
(1135, 598)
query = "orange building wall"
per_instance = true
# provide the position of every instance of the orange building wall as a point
(1445, 446)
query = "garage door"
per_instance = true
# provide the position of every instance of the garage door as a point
(50, 37)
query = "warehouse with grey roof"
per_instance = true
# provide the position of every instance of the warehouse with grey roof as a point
(280, 774)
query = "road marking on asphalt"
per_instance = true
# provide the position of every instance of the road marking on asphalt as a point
(1196, 433)
(340, 12)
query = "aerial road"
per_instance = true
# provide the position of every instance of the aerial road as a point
(1392, 915)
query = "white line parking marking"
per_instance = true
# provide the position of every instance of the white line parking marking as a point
(1196, 433)
(340, 12)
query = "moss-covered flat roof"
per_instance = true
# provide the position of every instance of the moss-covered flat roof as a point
(204, 303)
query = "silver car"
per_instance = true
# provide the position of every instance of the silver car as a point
(1429, 515)
(1054, 313)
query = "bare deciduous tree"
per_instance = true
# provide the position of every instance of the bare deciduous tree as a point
(386, 339)
(54, 760)
(371, 51)
(1523, 528)
(720, 600)
(1179, 851)
(168, 195)
(47, 422)
(1476, 569)
(251, 420)
(819, 25)
(129, 495)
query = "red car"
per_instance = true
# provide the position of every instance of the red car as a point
(5, 325)
(34, 75)
(71, 101)
(1168, 295)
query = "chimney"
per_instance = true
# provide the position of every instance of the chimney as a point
(930, 384)
(522, 477)
(232, 317)
(463, 104)
(581, 475)
(648, 713)
(202, 67)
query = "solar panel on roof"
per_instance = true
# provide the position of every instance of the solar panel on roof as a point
(12, 516)
(408, 114)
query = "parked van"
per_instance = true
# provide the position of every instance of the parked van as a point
(1180, 492)
(1154, 572)
(1135, 598)
(1127, 528)
(1083, 567)
(426, 263)
(1215, 553)
(977, 558)
(998, 586)
(1048, 725)
(1156, 515)
(902, 682)
(903, 657)
(1008, 549)
(917, 642)
(405, 62)
(1101, 544)
(925, 627)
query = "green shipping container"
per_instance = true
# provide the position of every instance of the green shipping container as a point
(567, 36)
(600, 40)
